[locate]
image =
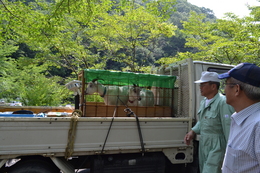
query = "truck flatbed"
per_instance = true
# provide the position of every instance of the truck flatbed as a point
(49, 136)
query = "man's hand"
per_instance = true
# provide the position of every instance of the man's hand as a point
(188, 137)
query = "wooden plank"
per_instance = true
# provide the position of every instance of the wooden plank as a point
(100, 110)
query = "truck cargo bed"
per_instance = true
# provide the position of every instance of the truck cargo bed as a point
(49, 136)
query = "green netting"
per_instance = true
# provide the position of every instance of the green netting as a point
(128, 78)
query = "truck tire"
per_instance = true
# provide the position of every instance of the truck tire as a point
(34, 166)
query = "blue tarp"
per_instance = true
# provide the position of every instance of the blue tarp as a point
(19, 115)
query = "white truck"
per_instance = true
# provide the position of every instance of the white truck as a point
(105, 139)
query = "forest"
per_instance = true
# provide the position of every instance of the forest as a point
(46, 43)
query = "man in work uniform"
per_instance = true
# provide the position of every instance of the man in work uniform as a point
(213, 124)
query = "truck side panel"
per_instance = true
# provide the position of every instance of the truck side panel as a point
(49, 136)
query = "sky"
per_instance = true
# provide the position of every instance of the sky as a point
(220, 7)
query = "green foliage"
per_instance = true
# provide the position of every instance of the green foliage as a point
(167, 60)
(255, 12)
(6, 49)
(28, 82)
(94, 98)
(74, 35)
(231, 40)
(41, 91)
(87, 34)
(121, 36)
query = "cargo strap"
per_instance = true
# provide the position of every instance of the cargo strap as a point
(110, 124)
(72, 132)
(130, 112)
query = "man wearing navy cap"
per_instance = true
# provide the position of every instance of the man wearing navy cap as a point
(213, 124)
(243, 93)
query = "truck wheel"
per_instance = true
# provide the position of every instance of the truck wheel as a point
(34, 166)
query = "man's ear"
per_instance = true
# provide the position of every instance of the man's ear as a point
(213, 86)
(238, 89)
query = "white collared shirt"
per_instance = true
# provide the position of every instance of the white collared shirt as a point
(243, 148)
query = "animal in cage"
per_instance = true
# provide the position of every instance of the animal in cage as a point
(114, 95)
(147, 97)
(134, 95)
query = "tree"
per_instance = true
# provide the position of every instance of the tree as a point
(124, 37)
(174, 47)
(64, 35)
(231, 40)
(29, 83)
(255, 12)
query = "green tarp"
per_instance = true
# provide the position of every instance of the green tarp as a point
(128, 78)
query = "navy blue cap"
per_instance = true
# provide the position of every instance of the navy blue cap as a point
(244, 72)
